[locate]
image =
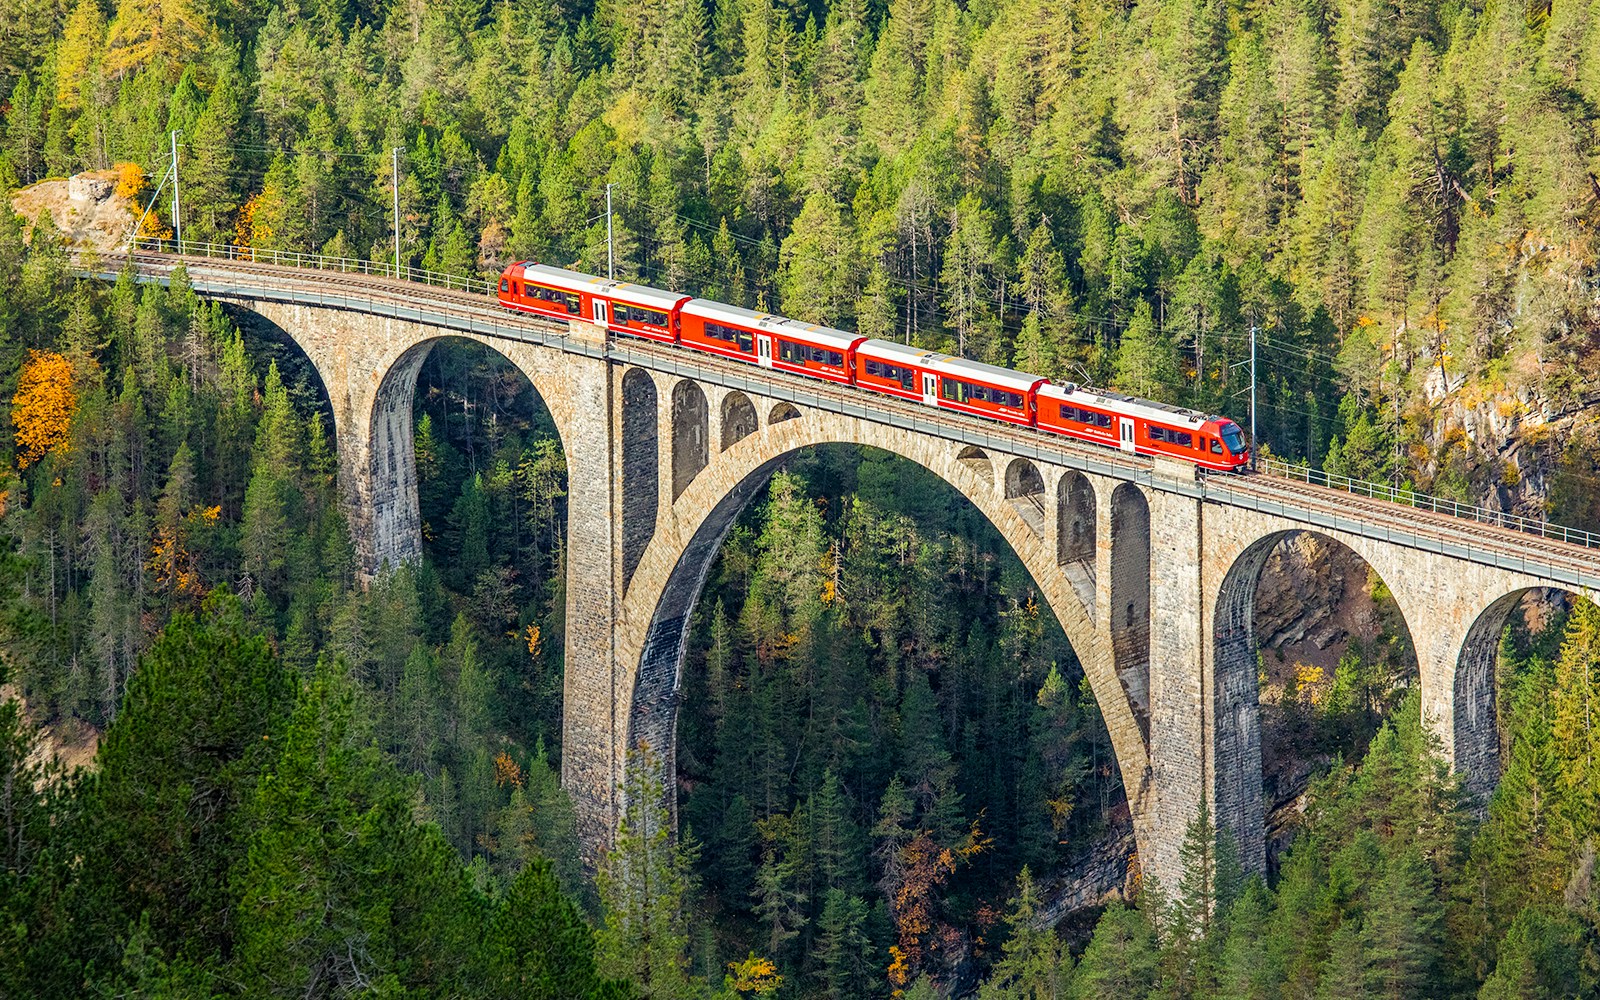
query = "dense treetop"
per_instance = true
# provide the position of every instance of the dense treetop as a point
(1399, 197)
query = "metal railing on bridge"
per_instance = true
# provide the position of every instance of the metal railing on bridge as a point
(1426, 501)
(1271, 466)
(321, 262)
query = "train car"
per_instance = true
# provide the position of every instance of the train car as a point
(619, 306)
(985, 390)
(768, 340)
(1111, 419)
(897, 370)
(1141, 426)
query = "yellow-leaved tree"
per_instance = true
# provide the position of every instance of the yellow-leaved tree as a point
(163, 32)
(82, 42)
(43, 407)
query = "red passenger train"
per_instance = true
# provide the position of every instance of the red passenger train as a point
(1095, 415)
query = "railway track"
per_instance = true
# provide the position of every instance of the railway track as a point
(1316, 504)
(1446, 527)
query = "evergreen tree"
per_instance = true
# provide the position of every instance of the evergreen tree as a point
(1146, 364)
(1034, 965)
(540, 948)
(646, 884)
(1121, 958)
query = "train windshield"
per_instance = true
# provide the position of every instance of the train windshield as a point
(1232, 438)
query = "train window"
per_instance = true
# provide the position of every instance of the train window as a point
(1183, 439)
(505, 286)
(652, 316)
(1232, 438)
(1216, 446)
(1013, 400)
(572, 304)
(952, 390)
(1089, 417)
(799, 354)
(1157, 433)
(893, 373)
(740, 339)
(620, 313)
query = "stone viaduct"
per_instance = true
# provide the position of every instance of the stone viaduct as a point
(1150, 570)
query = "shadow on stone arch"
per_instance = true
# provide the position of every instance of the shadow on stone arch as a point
(485, 419)
(265, 343)
(1479, 753)
(1310, 654)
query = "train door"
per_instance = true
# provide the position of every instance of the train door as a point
(930, 388)
(764, 350)
(1126, 433)
(600, 313)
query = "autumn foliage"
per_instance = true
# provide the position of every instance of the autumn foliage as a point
(130, 180)
(925, 867)
(43, 407)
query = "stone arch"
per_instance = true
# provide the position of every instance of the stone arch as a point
(395, 529)
(738, 419)
(1474, 723)
(301, 373)
(656, 616)
(782, 412)
(977, 460)
(1237, 776)
(1025, 490)
(1129, 609)
(689, 428)
(640, 472)
(1075, 534)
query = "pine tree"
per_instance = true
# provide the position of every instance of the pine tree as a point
(1248, 966)
(1146, 364)
(539, 946)
(1121, 959)
(1575, 723)
(645, 884)
(176, 772)
(1403, 935)
(1540, 958)
(843, 949)
(1034, 965)
(341, 885)
(817, 264)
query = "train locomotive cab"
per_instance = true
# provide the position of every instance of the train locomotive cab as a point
(1225, 442)
(986, 390)
(618, 306)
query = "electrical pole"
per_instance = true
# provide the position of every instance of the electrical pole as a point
(611, 269)
(396, 178)
(1253, 448)
(177, 218)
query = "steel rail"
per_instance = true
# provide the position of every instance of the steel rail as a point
(1562, 556)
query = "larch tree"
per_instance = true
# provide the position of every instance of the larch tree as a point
(43, 406)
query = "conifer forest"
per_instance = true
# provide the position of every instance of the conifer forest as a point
(229, 767)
